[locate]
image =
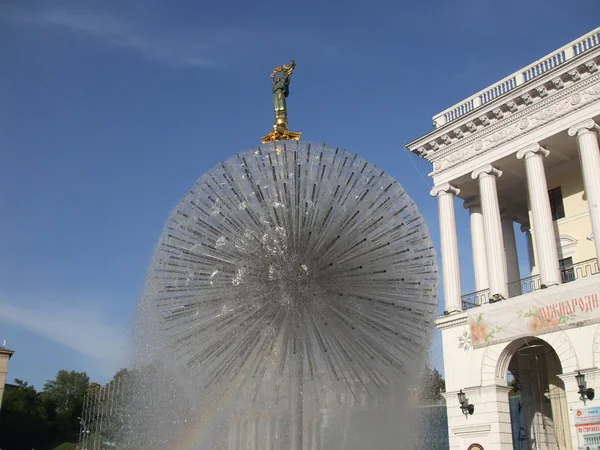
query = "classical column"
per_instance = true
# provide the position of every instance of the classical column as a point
(478, 244)
(510, 246)
(494, 243)
(449, 246)
(530, 252)
(539, 202)
(590, 166)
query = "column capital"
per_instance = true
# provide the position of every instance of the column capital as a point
(445, 187)
(533, 149)
(472, 201)
(586, 126)
(488, 169)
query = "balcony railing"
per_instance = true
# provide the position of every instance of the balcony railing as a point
(524, 286)
(577, 271)
(475, 299)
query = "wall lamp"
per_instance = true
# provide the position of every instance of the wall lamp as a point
(467, 409)
(583, 392)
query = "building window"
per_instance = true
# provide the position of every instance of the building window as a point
(566, 269)
(556, 203)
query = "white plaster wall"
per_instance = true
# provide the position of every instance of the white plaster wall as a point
(481, 374)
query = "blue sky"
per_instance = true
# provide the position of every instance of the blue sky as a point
(110, 111)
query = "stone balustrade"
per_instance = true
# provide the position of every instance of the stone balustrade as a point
(532, 71)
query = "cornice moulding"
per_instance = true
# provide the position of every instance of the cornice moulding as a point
(541, 113)
(521, 94)
(452, 320)
(472, 429)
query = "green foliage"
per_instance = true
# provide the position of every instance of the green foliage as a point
(432, 387)
(23, 418)
(63, 397)
(31, 419)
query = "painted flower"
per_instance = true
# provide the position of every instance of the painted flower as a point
(537, 323)
(479, 330)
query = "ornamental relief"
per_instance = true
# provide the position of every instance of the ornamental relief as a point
(561, 108)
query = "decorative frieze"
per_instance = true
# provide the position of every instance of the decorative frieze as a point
(543, 112)
(542, 91)
(574, 74)
(421, 152)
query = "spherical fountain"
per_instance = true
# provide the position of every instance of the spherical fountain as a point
(288, 272)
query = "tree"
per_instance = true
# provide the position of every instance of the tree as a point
(63, 398)
(432, 386)
(23, 418)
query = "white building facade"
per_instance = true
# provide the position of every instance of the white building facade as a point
(522, 156)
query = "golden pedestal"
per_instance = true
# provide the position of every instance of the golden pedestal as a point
(281, 135)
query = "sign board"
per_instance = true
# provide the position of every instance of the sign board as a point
(537, 313)
(587, 424)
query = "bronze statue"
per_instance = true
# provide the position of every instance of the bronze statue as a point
(280, 79)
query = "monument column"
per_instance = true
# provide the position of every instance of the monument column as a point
(478, 244)
(494, 243)
(539, 202)
(449, 246)
(587, 142)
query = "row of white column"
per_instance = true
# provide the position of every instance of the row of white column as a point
(495, 257)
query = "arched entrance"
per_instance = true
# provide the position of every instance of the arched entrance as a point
(538, 406)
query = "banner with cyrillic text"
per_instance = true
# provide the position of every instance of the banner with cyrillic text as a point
(539, 312)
